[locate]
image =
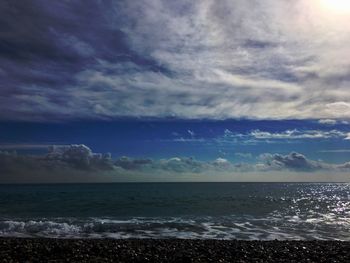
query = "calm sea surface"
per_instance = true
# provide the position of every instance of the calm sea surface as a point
(247, 211)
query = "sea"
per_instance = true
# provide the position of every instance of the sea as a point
(245, 211)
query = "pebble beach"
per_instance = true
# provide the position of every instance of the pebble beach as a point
(170, 250)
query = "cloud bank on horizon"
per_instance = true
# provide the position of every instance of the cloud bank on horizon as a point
(273, 59)
(74, 163)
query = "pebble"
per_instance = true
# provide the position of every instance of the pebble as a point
(170, 250)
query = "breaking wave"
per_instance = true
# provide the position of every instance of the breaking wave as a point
(276, 226)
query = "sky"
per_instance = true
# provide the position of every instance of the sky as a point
(241, 90)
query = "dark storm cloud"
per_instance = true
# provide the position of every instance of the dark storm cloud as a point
(69, 32)
(132, 164)
(44, 44)
(78, 157)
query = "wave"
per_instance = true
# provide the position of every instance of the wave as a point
(229, 227)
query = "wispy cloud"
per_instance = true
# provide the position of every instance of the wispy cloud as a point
(336, 151)
(185, 59)
(286, 135)
(328, 121)
(296, 134)
(254, 137)
(191, 133)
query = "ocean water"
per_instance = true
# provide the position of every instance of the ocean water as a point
(248, 211)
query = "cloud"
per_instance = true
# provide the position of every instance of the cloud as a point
(175, 164)
(181, 165)
(77, 163)
(293, 161)
(254, 137)
(344, 166)
(184, 59)
(328, 121)
(295, 134)
(191, 133)
(332, 122)
(132, 164)
(244, 155)
(222, 163)
(339, 108)
(80, 157)
(336, 151)
(58, 159)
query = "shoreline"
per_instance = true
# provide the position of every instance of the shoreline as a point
(14, 249)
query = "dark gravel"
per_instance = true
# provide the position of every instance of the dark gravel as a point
(171, 250)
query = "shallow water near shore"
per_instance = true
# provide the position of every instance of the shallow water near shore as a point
(247, 211)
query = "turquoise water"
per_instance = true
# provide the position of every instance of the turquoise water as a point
(184, 210)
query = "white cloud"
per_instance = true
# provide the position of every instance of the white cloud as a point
(347, 136)
(221, 162)
(339, 109)
(287, 135)
(268, 59)
(296, 134)
(242, 58)
(191, 133)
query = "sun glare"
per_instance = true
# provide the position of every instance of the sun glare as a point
(339, 6)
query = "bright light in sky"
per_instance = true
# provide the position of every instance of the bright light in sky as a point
(339, 6)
